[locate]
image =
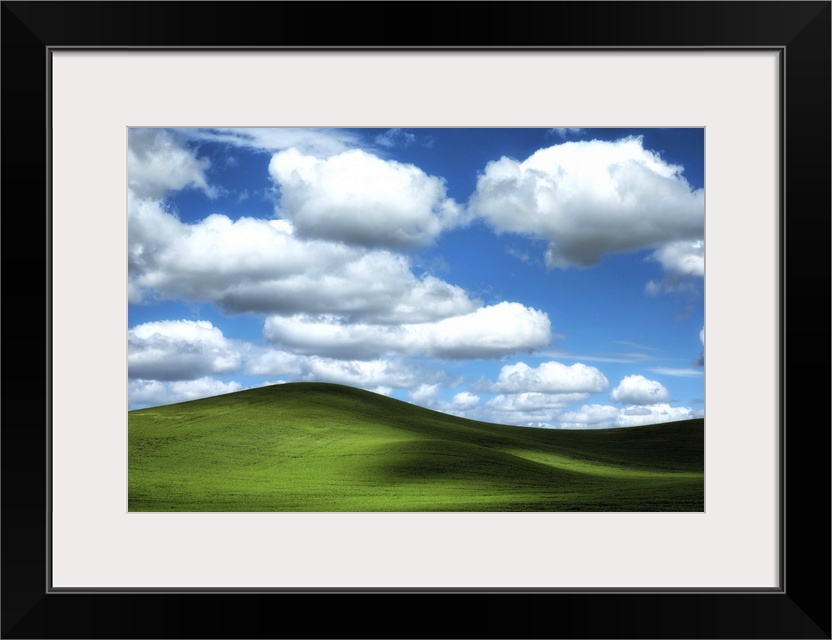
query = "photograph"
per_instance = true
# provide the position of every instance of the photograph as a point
(416, 319)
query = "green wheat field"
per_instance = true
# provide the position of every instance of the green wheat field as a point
(326, 448)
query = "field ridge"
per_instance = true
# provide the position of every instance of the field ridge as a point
(328, 447)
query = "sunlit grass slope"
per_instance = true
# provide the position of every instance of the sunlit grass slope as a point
(324, 447)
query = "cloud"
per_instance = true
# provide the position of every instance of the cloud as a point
(590, 416)
(269, 383)
(366, 374)
(685, 258)
(549, 377)
(623, 356)
(395, 138)
(360, 199)
(563, 132)
(597, 416)
(159, 162)
(653, 288)
(670, 371)
(464, 401)
(260, 266)
(424, 394)
(462, 404)
(487, 332)
(639, 390)
(591, 198)
(154, 393)
(490, 331)
(700, 361)
(534, 396)
(272, 362)
(179, 350)
(531, 408)
(319, 143)
(670, 285)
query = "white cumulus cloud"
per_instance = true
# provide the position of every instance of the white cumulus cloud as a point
(591, 198)
(179, 350)
(360, 373)
(700, 361)
(530, 408)
(424, 394)
(590, 416)
(261, 266)
(272, 362)
(154, 393)
(159, 162)
(361, 199)
(366, 374)
(684, 258)
(597, 416)
(637, 389)
(490, 331)
(487, 332)
(549, 377)
(465, 400)
(536, 395)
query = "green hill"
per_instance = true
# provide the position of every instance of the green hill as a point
(325, 447)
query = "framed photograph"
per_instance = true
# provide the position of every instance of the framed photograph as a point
(533, 228)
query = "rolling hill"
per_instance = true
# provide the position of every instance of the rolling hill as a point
(326, 447)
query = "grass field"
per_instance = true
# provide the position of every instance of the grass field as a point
(325, 447)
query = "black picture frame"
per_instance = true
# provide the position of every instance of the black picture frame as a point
(799, 608)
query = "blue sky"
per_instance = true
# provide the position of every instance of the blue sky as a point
(541, 277)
